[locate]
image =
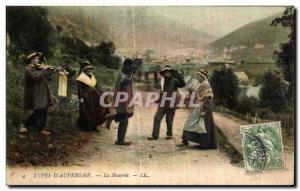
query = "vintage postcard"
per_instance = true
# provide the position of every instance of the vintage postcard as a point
(150, 95)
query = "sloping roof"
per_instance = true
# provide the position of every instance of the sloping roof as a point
(242, 76)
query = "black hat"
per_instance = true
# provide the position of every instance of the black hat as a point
(128, 62)
(166, 68)
(85, 65)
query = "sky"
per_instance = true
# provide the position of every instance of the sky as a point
(216, 21)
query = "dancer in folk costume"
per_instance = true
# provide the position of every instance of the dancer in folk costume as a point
(91, 113)
(170, 82)
(124, 109)
(199, 127)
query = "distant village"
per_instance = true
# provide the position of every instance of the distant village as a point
(189, 60)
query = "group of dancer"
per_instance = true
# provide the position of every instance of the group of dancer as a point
(198, 128)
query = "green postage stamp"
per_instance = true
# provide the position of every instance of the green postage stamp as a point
(262, 147)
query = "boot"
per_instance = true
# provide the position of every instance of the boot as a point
(151, 138)
(123, 142)
(183, 143)
(169, 137)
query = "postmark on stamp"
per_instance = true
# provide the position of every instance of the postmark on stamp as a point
(262, 147)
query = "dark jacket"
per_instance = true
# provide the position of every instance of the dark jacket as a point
(171, 85)
(36, 90)
(124, 84)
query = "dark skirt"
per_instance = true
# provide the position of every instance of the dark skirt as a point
(205, 140)
(202, 139)
(91, 113)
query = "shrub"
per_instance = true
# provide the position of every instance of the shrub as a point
(247, 105)
(225, 86)
(285, 57)
(273, 92)
(14, 96)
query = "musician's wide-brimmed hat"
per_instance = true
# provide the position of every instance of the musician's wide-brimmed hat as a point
(166, 68)
(33, 54)
(85, 64)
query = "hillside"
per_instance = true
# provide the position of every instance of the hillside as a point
(123, 24)
(254, 42)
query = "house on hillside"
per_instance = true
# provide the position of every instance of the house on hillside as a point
(253, 92)
(160, 61)
(242, 77)
(250, 91)
(242, 47)
(225, 50)
(258, 46)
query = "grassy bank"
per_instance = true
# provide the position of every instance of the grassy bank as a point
(66, 140)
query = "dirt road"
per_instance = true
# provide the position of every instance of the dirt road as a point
(148, 162)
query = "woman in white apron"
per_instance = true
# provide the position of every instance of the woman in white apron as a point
(199, 127)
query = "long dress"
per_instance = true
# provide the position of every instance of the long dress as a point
(91, 113)
(199, 127)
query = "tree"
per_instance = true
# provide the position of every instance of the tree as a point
(76, 47)
(225, 86)
(29, 29)
(103, 54)
(285, 58)
(273, 91)
(106, 48)
(106, 55)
